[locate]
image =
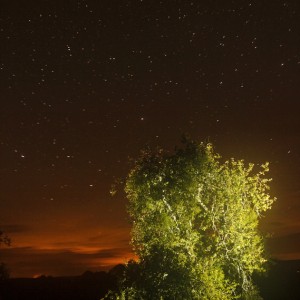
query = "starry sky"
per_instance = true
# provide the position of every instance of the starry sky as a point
(86, 84)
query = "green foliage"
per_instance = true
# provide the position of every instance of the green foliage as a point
(195, 226)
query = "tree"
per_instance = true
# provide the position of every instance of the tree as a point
(4, 239)
(4, 273)
(195, 226)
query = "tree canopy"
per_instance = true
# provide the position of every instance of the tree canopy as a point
(194, 226)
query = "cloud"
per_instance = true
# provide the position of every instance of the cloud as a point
(287, 246)
(121, 236)
(29, 262)
(14, 228)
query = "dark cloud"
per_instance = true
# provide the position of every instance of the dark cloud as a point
(108, 235)
(287, 244)
(276, 224)
(14, 228)
(27, 260)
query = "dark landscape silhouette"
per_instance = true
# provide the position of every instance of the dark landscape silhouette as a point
(281, 283)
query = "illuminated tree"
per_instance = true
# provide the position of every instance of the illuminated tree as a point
(195, 226)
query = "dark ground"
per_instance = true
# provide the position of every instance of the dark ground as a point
(282, 283)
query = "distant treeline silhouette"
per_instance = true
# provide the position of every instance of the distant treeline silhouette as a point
(282, 282)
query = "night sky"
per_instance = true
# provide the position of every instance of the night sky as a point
(86, 84)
